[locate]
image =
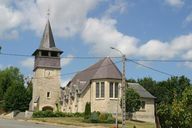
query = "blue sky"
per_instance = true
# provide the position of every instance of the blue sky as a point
(141, 29)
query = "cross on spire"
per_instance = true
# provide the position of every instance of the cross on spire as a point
(48, 13)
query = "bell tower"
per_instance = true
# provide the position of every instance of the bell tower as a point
(46, 79)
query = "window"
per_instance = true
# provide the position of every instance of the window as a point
(113, 89)
(54, 54)
(97, 90)
(44, 53)
(48, 94)
(116, 90)
(143, 104)
(100, 89)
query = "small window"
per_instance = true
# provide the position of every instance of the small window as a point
(143, 104)
(102, 89)
(116, 90)
(48, 95)
(111, 90)
(54, 54)
(44, 53)
(97, 90)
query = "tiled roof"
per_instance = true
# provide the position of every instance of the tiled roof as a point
(104, 69)
(140, 90)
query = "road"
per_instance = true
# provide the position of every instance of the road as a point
(24, 124)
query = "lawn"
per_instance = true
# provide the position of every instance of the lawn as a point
(78, 121)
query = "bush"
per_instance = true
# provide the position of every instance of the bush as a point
(77, 114)
(94, 118)
(110, 119)
(40, 114)
(48, 113)
(59, 114)
(103, 117)
(87, 112)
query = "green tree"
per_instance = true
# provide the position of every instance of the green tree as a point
(29, 91)
(87, 112)
(148, 83)
(132, 100)
(1, 94)
(15, 98)
(9, 77)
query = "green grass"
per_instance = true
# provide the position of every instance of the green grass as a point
(78, 121)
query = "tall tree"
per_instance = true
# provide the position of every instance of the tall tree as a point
(148, 83)
(132, 100)
(16, 98)
(10, 76)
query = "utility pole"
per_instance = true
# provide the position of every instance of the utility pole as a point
(123, 93)
(123, 88)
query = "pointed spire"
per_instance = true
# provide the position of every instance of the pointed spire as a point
(47, 41)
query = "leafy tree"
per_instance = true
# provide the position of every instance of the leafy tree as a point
(148, 83)
(1, 94)
(29, 91)
(9, 77)
(131, 80)
(132, 100)
(15, 98)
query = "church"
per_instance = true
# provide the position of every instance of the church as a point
(99, 84)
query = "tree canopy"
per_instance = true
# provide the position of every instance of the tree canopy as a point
(132, 100)
(173, 100)
(13, 94)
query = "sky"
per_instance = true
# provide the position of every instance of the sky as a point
(140, 29)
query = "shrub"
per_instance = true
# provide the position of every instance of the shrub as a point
(69, 114)
(110, 119)
(103, 117)
(59, 114)
(94, 118)
(87, 112)
(48, 113)
(77, 114)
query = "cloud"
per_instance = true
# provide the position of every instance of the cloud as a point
(177, 47)
(188, 19)
(188, 56)
(153, 49)
(67, 16)
(118, 6)
(10, 19)
(66, 61)
(101, 34)
(175, 3)
(28, 63)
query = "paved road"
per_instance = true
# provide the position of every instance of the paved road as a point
(24, 124)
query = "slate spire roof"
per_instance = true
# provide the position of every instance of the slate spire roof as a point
(104, 69)
(47, 41)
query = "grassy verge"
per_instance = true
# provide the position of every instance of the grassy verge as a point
(78, 121)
